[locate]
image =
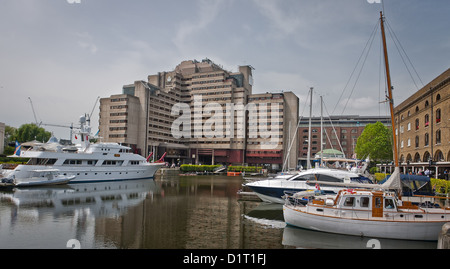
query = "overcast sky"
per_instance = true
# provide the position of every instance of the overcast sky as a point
(64, 55)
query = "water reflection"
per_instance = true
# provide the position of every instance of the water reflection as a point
(301, 238)
(47, 217)
(174, 212)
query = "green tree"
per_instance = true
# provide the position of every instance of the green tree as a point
(376, 142)
(29, 132)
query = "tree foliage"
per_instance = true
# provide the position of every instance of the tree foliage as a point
(376, 142)
(30, 132)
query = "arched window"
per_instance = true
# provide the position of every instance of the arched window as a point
(417, 157)
(438, 115)
(417, 124)
(427, 120)
(426, 103)
(438, 97)
(427, 139)
(417, 109)
(438, 137)
(409, 158)
(439, 156)
(417, 141)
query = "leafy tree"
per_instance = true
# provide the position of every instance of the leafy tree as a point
(375, 141)
(29, 132)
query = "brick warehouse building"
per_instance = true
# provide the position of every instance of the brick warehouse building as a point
(141, 117)
(339, 132)
(423, 127)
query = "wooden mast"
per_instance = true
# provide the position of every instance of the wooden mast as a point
(389, 85)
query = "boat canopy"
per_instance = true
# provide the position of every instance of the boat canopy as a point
(414, 184)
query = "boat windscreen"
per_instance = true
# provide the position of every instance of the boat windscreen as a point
(303, 177)
(361, 179)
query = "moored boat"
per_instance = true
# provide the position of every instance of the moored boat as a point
(369, 213)
(331, 180)
(375, 212)
(43, 178)
(87, 162)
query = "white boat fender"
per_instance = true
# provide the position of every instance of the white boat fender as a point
(329, 202)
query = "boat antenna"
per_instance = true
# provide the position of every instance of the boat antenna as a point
(389, 85)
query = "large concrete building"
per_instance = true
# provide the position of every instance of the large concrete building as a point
(202, 113)
(423, 127)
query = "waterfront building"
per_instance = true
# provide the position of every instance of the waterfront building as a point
(423, 131)
(339, 133)
(279, 125)
(220, 125)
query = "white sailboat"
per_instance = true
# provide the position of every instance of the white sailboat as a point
(376, 212)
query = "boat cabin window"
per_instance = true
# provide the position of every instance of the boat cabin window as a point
(112, 162)
(389, 203)
(349, 201)
(303, 178)
(41, 161)
(328, 178)
(72, 162)
(364, 202)
(378, 202)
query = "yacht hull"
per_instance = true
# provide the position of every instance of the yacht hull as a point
(23, 173)
(413, 230)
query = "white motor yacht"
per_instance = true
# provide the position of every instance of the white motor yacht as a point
(82, 162)
(273, 190)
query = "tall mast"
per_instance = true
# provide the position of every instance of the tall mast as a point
(308, 159)
(321, 131)
(389, 85)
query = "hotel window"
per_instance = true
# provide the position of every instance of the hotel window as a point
(409, 126)
(417, 141)
(409, 142)
(438, 115)
(417, 124)
(427, 138)
(427, 120)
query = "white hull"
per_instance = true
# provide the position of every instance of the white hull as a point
(23, 173)
(413, 230)
(269, 199)
(273, 190)
(34, 182)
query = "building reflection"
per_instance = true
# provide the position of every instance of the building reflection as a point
(191, 213)
(168, 213)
